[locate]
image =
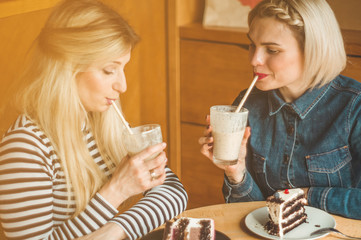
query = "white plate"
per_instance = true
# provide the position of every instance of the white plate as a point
(316, 219)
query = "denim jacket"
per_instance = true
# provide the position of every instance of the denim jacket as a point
(312, 142)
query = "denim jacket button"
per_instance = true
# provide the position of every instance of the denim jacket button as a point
(287, 184)
(286, 159)
(290, 130)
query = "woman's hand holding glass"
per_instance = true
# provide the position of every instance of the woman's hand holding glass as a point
(235, 173)
(136, 174)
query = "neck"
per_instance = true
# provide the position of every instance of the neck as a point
(291, 94)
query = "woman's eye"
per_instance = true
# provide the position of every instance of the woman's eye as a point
(108, 72)
(272, 51)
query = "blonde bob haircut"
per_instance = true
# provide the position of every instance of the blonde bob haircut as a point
(316, 29)
(77, 34)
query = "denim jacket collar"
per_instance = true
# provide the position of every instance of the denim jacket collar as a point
(301, 106)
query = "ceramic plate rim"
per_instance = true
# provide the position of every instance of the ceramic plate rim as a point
(306, 228)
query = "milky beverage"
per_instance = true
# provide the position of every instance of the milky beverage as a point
(142, 137)
(227, 130)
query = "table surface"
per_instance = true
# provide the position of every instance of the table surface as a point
(230, 219)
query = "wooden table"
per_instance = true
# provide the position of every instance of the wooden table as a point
(230, 219)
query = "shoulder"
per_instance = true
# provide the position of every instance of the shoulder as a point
(24, 139)
(24, 127)
(346, 84)
(349, 90)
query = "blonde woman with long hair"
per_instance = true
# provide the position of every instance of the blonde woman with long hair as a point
(63, 168)
(305, 117)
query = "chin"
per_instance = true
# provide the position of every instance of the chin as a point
(104, 109)
(264, 86)
(100, 109)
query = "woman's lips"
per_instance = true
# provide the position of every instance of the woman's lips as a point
(261, 75)
(110, 100)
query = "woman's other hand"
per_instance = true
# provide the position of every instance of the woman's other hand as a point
(235, 173)
(136, 174)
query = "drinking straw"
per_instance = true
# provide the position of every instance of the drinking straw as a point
(247, 93)
(122, 118)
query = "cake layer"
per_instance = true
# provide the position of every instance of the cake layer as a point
(190, 229)
(274, 229)
(297, 207)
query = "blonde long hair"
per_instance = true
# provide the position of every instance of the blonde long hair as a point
(319, 36)
(77, 34)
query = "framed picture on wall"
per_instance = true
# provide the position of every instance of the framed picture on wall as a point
(227, 13)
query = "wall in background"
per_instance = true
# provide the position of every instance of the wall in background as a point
(347, 13)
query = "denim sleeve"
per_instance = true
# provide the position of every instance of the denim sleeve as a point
(355, 142)
(340, 201)
(246, 191)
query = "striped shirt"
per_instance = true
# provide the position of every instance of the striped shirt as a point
(33, 197)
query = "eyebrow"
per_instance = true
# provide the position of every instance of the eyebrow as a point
(264, 43)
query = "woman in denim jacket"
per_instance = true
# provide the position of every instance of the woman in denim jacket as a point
(305, 117)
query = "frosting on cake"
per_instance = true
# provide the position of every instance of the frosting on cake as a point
(190, 229)
(286, 211)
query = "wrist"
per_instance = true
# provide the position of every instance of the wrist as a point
(115, 231)
(112, 195)
(236, 178)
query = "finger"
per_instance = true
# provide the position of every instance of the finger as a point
(156, 162)
(157, 172)
(149, 151)
(158, 181)
(208, 119)
(247, 134)
(205, 140)
(208, 131)
(207, 151)
(153, 175)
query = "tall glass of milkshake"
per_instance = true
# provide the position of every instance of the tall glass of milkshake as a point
(142, 137)
(227, 129)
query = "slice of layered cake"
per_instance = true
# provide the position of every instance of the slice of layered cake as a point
(286, 211)
(190, 229)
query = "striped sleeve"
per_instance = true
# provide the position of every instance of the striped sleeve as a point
(33, 200)
(160, 204)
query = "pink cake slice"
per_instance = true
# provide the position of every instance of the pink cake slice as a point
(190, 229)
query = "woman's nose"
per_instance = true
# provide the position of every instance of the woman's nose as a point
(120, 85)
(256, 57)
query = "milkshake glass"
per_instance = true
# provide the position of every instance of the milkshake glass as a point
(142, 137)
(227, 130)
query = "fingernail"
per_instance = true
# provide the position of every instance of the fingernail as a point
(164, 144)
